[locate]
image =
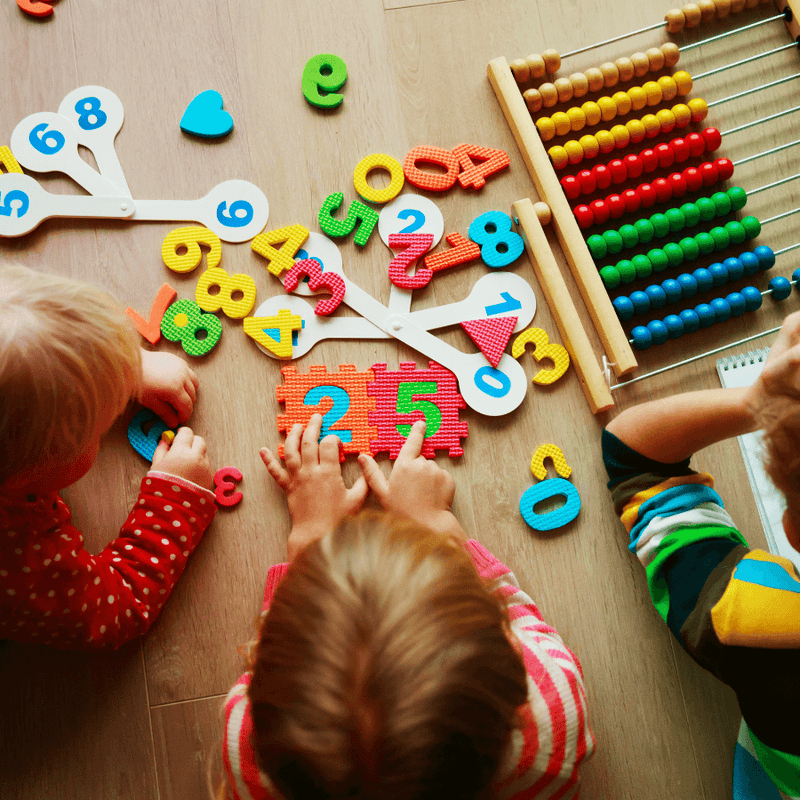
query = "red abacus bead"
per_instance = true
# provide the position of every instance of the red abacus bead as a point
(634, 165)
(571, 187)
(647, 194)
(680, 149)
(602, 176)
(709, 173)
(665, 155)
(618, 170)
(693, 178)
(586, 180)
(724, 168)
(678, 184)
(663, 189)
(616, 205)
(600, 210)
(632, 200)
(697, 144)
(649, 159)
(584, 216)
(713, 139)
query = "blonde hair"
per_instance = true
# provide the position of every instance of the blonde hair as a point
(69, 360)
(384, 670)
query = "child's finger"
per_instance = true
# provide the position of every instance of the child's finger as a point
(412, 446)
(183, 438)
(161, 451)
(199, 445)
(194, 379)
(191, 390)
(357, 493)
(276, 471)
(183, 405)
(165, 411)
(374, 477)
(291, 447)
(310, 444)
(329, 449)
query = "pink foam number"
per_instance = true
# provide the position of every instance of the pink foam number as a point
(223, 485)
(151, 328)
(317, 279)
(491, 336)
(415, 244)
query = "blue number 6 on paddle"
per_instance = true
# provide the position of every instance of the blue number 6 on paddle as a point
(230, 216)
(47, 142)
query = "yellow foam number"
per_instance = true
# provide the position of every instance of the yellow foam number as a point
(544, 451)
(543, 349)
(379, 161)
(283, 259)
(228, 284)
(274, 333)
(7, 161)
(191, 238)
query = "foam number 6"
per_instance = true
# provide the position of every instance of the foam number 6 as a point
(543, 348)
(500, 246)
(282, 259)
(340, 407)
(557, 518)
(231, 217)
(181, 323)
(317, 280)
(228, 285)
(14, 196)
(357, 212)
(554, 453)
(415, 245)
(275, 334)
(325, 72)
(190, 239)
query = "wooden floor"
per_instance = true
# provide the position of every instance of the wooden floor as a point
(144, 722)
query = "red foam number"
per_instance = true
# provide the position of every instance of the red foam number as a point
(317, 279)
(474, 175)
(463, 251)
(151, 328)
(223, 485)
(415, 245)
(35, 9)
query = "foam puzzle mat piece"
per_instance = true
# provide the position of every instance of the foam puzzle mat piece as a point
(225, 481)
(553, 487)
(205, 117)
(553, 452)
(462, 251)
(145, 444)
(227, 284)
(379, 161)
(543, 348)
(7, 160)
(431, 181)
(282, 259)
(150, 328)
(191, 238)
(491, 335)
(181, 322)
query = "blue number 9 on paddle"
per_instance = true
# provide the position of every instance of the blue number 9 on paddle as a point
(231, 218)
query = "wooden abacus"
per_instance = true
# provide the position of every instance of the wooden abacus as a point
(520, 104)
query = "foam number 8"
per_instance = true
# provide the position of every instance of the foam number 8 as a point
(6, 209)
(90, 117)
(190, 238)
(500, 246)
(231, 218)
(183, 320)
(543, 348)
(46, 142)
(228, 285)
(327, 72)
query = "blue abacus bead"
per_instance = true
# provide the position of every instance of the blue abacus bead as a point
(750, 263)
(737, 303)
(642, 338)
(705, 280)
(796, 276)
(718, 274)
(721, 308)
(672, 289)
(641, 302)
(765, 256)
(734, 267)
(752, 297)
(674, 326)
(658, 297)
(781, 288)
(658, 330)
(705, 314)
(690, 320)
(688, 284)
(624, 307)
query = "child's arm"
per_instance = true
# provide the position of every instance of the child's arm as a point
(169, 387)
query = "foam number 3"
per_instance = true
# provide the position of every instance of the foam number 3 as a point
(228, 285)
(322, 76)
(543, 348)
(182, 322)
(357, 212)
(190, 239)
(340, 407)
(317, 280)
(225, 481)
(276, 333)
(500, 246)
(282, 259)
(415, 245)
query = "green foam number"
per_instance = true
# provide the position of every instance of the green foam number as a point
(358, 212)
(327, 73)
(183, 320)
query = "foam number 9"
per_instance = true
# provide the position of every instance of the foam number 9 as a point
(14, 196)
(227, 285)
(500, 246)
(46, 142)
(181, 323)
(543, 348)
(190, 239)
(325, 72)
(231, 217)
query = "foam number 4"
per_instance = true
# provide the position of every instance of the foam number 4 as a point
(406, 404)
(322, 76)
(358, 212)
(228, 285)
(190, 239)
(182, 322)
(340, 407)
(317, 280)
(543, 348)
(500, 246)
(474, 175)
(282, 259)
(275, 334)
(415, 245)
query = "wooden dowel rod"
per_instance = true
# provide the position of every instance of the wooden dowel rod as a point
(794, 24)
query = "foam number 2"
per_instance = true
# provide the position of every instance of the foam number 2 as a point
(500, 246)
(275, 334)
(181, 323)
(340, 407)
(357, 212)
(322, 76)
(543, 348)
(227, 285)
(317, 280)
(415, 245)
(190, 239)
(282, 259)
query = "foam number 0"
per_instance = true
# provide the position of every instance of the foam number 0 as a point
(275, 334)
(325, 72)
(474, 175)
(317, 280)
(406, 404)
(500, 246)
(228, 285)
(190, 238)
(415, 245)
(543, 348)
(181, 323)
(553, 452)
(378, 161)
(282, 259)
(557, 518)
(431, 181)
(357, 212)
(340, 407)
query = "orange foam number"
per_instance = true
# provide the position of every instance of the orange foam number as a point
(432, 181)
(463, 251)
(35, 9)
(151, 328)
(474, 175)
(415, 245)
(280, 259)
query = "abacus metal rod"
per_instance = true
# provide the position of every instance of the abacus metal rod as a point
(786, 249)
(734, 31)
(759, 121)
(755, 89)
(773, 185)
(653, 27)
(766, 153)
(745, 61)
(780, 216)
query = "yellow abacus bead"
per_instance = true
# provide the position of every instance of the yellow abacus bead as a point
(592, 111)
(605, 139)
(552, 60)
(536, 65)
(666, 119)
(577, 119)
(595, 79)
(574, 151)
(723, 8)
(546, 127)
(641, 64)
(699, 109)
(707, 10)
(675, 20)
(533, 99)
(625, 67)
(653, 92)
(610, 74)
(656, 58)
(590, 145)
(580, 86)
(564, 89)
(668, 88)
(520, 69)
(636, 130)
(638, 98)
(623, 103)
(683, 80)
(683, 115)
(608, 108)
(672, 53)
(558, 155)
(549, 95)
(692, 14)
(621, 136)
(736, 6)
(562, 123)
(651, 125)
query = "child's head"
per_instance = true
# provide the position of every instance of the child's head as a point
(384, 669)
(69, 363)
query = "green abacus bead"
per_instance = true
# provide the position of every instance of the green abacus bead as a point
(722, 202)
(597, 246)
(752, 227)
(689, 248)
(677, 221)
(674, 254)
(660, 225)
(610, 277)
(721, 237)
(630, 236)
(645, 230)
(736, 231)
(642, 265)
(691, 214)
(658, 258)
(706, 207)
(738, 197)
(627, 272)
(705, 241)
(613, 241)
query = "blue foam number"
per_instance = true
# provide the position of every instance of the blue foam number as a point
(341, 405)
(146, 443)
(511, 304)
(87, 108)
(6, 208)
(500, 246)
(489, 388)
(229, 217)
(46, 142)
(417, 217)
(552, 487)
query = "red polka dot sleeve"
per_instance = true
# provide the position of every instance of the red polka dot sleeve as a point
(53, 591)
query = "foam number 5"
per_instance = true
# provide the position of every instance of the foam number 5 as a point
(415, 245)
(317, 280)
(357, 212)
(500, 246)
(406, 404)
(340, 407)
(543, 348)
(275, 334)
(282, 259)
(181, 323)
(325, 72)
(190, 239)
(228, 285)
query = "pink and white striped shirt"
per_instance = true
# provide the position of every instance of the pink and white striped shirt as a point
(544, 754)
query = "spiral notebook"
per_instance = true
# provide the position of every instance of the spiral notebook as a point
(742, 370)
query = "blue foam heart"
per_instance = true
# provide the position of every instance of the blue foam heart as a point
(204, 116)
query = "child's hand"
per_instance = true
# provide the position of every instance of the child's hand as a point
(781, 373)
(169, 387)
(185, 458)
(417, 488)
(317, 497)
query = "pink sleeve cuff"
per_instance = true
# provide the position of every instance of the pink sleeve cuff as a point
(274, 577)
(489, 568)
(207, 493)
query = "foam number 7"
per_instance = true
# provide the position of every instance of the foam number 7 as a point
(275, 334)
(317, 280)
(406, 404)
(282, 259)
(190, 239)
(543, 348)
